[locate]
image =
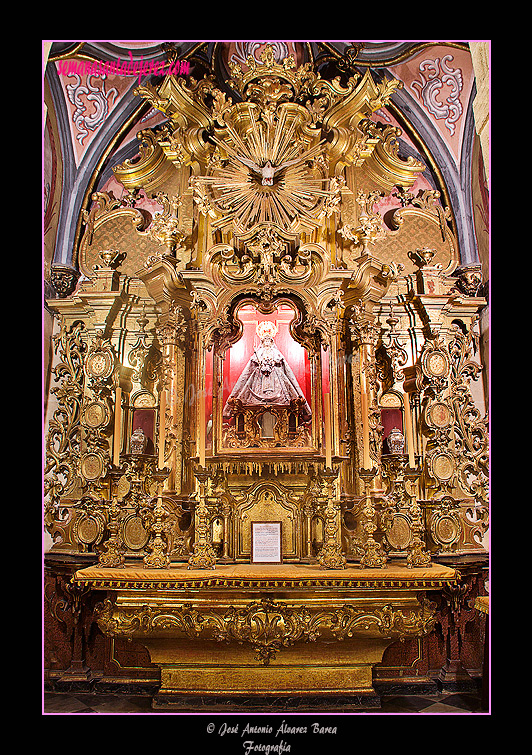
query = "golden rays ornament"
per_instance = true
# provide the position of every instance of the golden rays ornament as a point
(268, 174)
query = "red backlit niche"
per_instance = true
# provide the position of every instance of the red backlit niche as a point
(239, 354)
(390, 418)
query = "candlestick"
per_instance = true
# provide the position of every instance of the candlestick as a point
(365, 423)
(202, 429)
(117, 434)
(328, 437)
(409, 431)
(162, 428)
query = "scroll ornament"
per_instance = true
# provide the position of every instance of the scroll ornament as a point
(64, 434)
(266, 624)
(457, 452)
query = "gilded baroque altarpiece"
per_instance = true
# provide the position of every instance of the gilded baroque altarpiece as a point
(268, 347)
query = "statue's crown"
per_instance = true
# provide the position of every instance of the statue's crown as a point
(266, 328)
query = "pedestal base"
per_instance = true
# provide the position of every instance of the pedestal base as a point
(206, 669)
(453, 677)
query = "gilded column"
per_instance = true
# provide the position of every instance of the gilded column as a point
(335, 329)
(331, 555)
(171, 334)
(366, 334)
(203, 555)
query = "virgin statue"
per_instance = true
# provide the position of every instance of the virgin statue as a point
(267, 379)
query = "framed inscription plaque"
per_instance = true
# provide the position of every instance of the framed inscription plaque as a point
(266, 542)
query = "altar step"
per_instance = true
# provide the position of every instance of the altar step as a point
(117, 704)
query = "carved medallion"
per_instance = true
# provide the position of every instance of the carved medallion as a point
(95, 414)
(438, 415)
(399, 534)
(100, 364)
(134, 534)
(435, 363)
(442, 465)
(92, 466)
(88, 528)
(445, 525)
(446, 529)
(123, 488)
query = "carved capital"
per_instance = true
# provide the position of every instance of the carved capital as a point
(64, 280)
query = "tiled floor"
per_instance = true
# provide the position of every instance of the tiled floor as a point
(68, 703)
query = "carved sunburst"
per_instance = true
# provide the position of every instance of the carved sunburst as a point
(267, 175)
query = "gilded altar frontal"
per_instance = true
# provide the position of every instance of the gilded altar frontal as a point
(266, 373)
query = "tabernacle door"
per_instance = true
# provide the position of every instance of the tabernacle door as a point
(267, 502)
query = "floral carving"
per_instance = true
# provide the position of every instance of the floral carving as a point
(64, 433)
(470, 428)
(266, 624)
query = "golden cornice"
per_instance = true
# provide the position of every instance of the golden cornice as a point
(368, 146)
(180, 102)
(183, 140)
(384, 164)
(369, 282)
(163, 281)
(151, 171)
(362, 98)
